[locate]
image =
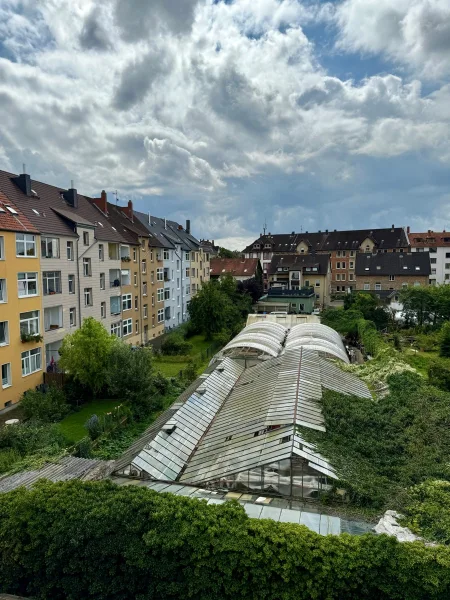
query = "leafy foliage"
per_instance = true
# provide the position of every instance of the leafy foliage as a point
(96, 540)
(93, 427)
(444, 346)
(175, 344)
(427, 510)
(426, 304)
(48, 407)
(439, 374)
(344, 322)
(370, 308)
(254, 287)
(85, 353)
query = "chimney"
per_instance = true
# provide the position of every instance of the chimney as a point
(71, 196)
(212, 243)
(23, 182)
(408, 230)
(188, 226)
(102, 202)
(128, 210)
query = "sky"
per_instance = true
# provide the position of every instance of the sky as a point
(302, 114)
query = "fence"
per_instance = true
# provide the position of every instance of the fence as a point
(57, 379)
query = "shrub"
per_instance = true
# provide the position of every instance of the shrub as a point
(27, 438)
(8, 456)
(94, 427)
(439, 374)
(427, 510)
(174, 345)
(190, 372)
(76, 393)
(444, 346)
(83, 448)
(161, 384)
(76, 540)
(49, 406)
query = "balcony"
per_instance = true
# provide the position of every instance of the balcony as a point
(114, 278)
(125, 277)
(53, 318)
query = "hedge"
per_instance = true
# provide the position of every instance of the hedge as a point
(77, 540)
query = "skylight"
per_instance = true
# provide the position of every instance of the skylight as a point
(12, 210)
(113, 228)
(2, 209)
(35, 211)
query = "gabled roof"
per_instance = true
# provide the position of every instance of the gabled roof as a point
(283, 242)
(155, 228)
(12, 218)
(300, 262)
(430, 239)
(393, 263)
(238, 267)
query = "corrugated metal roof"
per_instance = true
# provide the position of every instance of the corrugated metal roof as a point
(264, 337)
(317, 337)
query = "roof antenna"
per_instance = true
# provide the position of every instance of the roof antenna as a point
(115, 194)
(301, 229)
(265, 226)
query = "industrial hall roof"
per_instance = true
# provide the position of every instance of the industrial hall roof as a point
(393, 263)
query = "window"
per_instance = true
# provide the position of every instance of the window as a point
(178, 283)
(135, 254)
(136, 329)
(153, 321)
(167, 294)
(351, 264)
(31, 361)
(144, 266)
(338, 277)
(103, 310)
(88, 296)
(338, 254)
(135, 278)
(49, 247)
(178, 300)
(343, 265)
(352, 253)
(101, 252)
(317, 283)
(2, 248)
(367, 286)
(416, 283)
(52, 282)
(152, 276)
(127, 327)
(113, 251)
(4, 333)
(136, 303)
(447, 254)
(160, 315)
(178, 265)
(3, 296)
(86, 238)
(351, 277)
(102, 281)
(153, 299)
(447, 265)
(6, 375)
(188, 290)
(404, 285)
(151, 255)
(72, 317)
(25, 244)
(187, 272)
(144, 288)
(29, 323)
(116, 329)
(187, 255)
(87, 272)
(378, 286)
(70, 255)
(159, 274)
(145, 311)
(391, 277)
(114, 304)
(367, 250)
(166, 255)
(160, 295)
(307, 283)
(338, 265)
(71, 280)
(433, 261)
(343, 277)
(126, 302)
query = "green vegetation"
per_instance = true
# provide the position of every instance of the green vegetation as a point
(48, 407)
(73, 426)
(426, 305)
(96, 540)
(444, 345)
(427, 510)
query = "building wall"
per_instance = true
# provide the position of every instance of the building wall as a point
(10, 311)
(289, 281)
(440, 264)
(135, 270)
(386, 284)
(156, 262)
(200, 269)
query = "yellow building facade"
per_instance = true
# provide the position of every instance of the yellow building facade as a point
(21, 312)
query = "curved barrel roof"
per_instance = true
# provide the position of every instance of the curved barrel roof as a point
(265, 337)
(317, 337)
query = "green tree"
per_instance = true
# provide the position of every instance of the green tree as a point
(85, 353)
(225, 253)
(419, 304)
(210, 309)
(444, 345)
(47, 407)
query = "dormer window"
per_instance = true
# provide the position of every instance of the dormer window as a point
(256, 246)
(267, 245)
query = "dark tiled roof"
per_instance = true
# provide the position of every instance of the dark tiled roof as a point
(238, 267)
(276, 292)
(430, 239)
(13, 222)
(156, 228)
(333, 240)
(393, 263)
(297, 262)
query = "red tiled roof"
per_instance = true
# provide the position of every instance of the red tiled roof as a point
(430, 239)
(238, 267)
(13, 222)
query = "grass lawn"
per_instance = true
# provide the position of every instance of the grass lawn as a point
(170, 366)
(73, 425)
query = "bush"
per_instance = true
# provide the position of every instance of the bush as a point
(444, 346)
(174, 345)
(76, 393)
(439, 374)
(190, 372)
(94, 427)
(75, 539)
(8, 456)
(48, 407)
(161, 384)
(27, 438)
(83, 448)
(427, 511)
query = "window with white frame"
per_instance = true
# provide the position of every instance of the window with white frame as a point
(159, 274)
(145, 311)
(72, 317)
(178, 265)
(51, 281)
(3, 296)
(178, 283)
(338, 276)
(103, 310)
(144, 288)
(153, 299)
(101, 252)
(88, 297)
(102, 281)
(151, 255)
(351, 277)
(187, 256)
(127, 327)
(114, 305)
(367, 286)
(391, 277)
(160, 294)
(166, 255)
(317, 283)
(31, 361)
(30, 323)
(86, 238)
(6, 375)
(143, 244)
(137, 327)
(135, 278)
(126, 302)
(25, 244)
(144, 266)
(351, 264)
(71, 282)
(338, 265)
(49, 247)
(343, 277)
(116, 329)
(87, 271)
(160, 315)
(167, 294)
(352, 253)
(4, 333)
(69, 250)
(2, 248)
(27, 284)
(188, 290)
(187, 272)
(135, 254)
(377, 286)
(404, 285)
(136, 303)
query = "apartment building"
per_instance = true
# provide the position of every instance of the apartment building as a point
(392, 271)
(342, 246)
(437, 244)
(21, 310)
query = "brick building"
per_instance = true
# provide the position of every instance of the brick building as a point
(392, 271)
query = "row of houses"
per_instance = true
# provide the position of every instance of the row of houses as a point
(65, 257)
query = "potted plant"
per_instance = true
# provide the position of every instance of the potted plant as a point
(31, 337)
